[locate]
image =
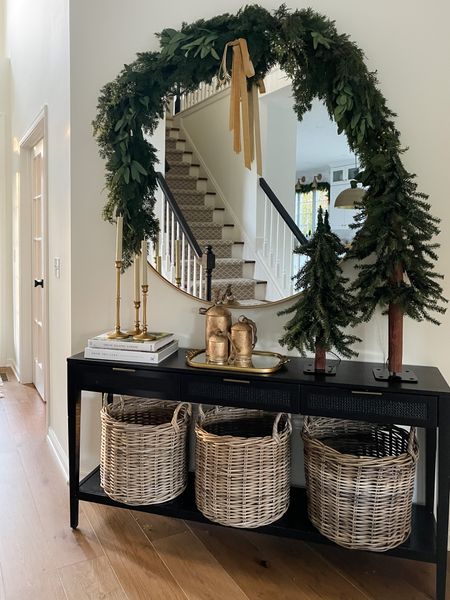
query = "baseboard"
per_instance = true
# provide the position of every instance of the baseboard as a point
(12, 365)
(60, 453)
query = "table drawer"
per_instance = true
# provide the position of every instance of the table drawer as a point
(233, 391)
(131, 381)
(408, 409)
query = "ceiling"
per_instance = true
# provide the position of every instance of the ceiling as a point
(318, 143)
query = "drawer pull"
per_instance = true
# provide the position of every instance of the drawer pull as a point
(367, 393)
(235, 380)
(123, 369)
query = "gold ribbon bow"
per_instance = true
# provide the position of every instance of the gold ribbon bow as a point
(246, 98)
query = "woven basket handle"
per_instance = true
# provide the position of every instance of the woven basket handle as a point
(105, 399)
(201, 412)
(275, 434)
(176, 412)
(412, 436)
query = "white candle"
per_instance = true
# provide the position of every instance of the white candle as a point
(119, 230)
(137, 283)
(144, 248)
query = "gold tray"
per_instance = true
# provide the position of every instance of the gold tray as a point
(262, 362)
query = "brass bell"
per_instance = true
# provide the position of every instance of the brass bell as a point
(243, 339)
(217, 348)
(218, 318)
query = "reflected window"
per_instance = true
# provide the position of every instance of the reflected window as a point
(307, 204)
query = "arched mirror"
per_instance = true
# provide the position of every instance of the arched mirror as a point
(306, 164)
(218, 228)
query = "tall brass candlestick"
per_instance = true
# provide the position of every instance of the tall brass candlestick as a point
(137, 297)
(117, 333)
(144, 335)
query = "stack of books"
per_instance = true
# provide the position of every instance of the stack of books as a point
(131, 350)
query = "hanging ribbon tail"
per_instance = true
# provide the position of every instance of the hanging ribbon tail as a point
(243, 99)
(235, 101)
(248, 65)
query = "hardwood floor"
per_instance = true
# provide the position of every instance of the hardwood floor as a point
(119, 554)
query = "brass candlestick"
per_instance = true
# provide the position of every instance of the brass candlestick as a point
(144, 335)
(117, 334)
(137, 329)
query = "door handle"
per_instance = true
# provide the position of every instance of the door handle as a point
(39, 282)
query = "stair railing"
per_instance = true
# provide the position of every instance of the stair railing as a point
(186, 100)
(281, 235)
(177, 254)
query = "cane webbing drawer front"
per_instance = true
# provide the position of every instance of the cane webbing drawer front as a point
(132, 381)
(229, 391)
(367, 405)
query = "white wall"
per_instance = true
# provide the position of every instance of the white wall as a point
(5, 217)
(37, 42)
(207, 126)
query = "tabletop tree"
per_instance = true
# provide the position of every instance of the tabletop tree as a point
(326, 306)
(395, 254)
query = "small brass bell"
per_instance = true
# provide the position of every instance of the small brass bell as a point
(217, 348)
(243, 339)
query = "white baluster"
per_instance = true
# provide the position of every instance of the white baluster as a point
(266, 226)
(183, 261)
(172, 247)
(188, 288)
(200, 291)
(194, 278)
(284, 257)
(271, 236)
(277, 244)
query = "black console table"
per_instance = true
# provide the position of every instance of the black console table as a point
(352, 394)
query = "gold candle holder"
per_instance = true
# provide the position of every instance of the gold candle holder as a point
(117, 333)
(137, 328)
(144, 335)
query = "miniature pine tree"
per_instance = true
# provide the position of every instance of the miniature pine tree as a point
(325, 306)
(394, 229)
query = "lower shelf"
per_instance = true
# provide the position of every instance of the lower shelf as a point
(295, 524)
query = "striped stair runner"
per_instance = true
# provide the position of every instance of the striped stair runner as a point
(199, 205)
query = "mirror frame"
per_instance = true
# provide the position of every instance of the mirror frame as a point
(320, 61)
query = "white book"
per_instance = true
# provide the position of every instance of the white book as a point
(162, 339)
(132, 355)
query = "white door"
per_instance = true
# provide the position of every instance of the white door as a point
(37, 262)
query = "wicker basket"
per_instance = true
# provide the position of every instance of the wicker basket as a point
(143, 458)
(360, 481)
(242, 466)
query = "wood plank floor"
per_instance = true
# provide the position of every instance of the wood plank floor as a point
(119, 554)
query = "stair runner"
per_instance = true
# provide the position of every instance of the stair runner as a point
(198, 208)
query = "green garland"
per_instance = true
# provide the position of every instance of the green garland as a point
(320, 186)
(321, 63)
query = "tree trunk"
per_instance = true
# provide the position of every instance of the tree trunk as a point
(320, 358)
(395, 325)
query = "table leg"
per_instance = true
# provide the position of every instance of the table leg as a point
(74, 416)
(430, 467)
(443, 496)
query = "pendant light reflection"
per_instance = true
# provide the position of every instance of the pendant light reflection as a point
(350, 196)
